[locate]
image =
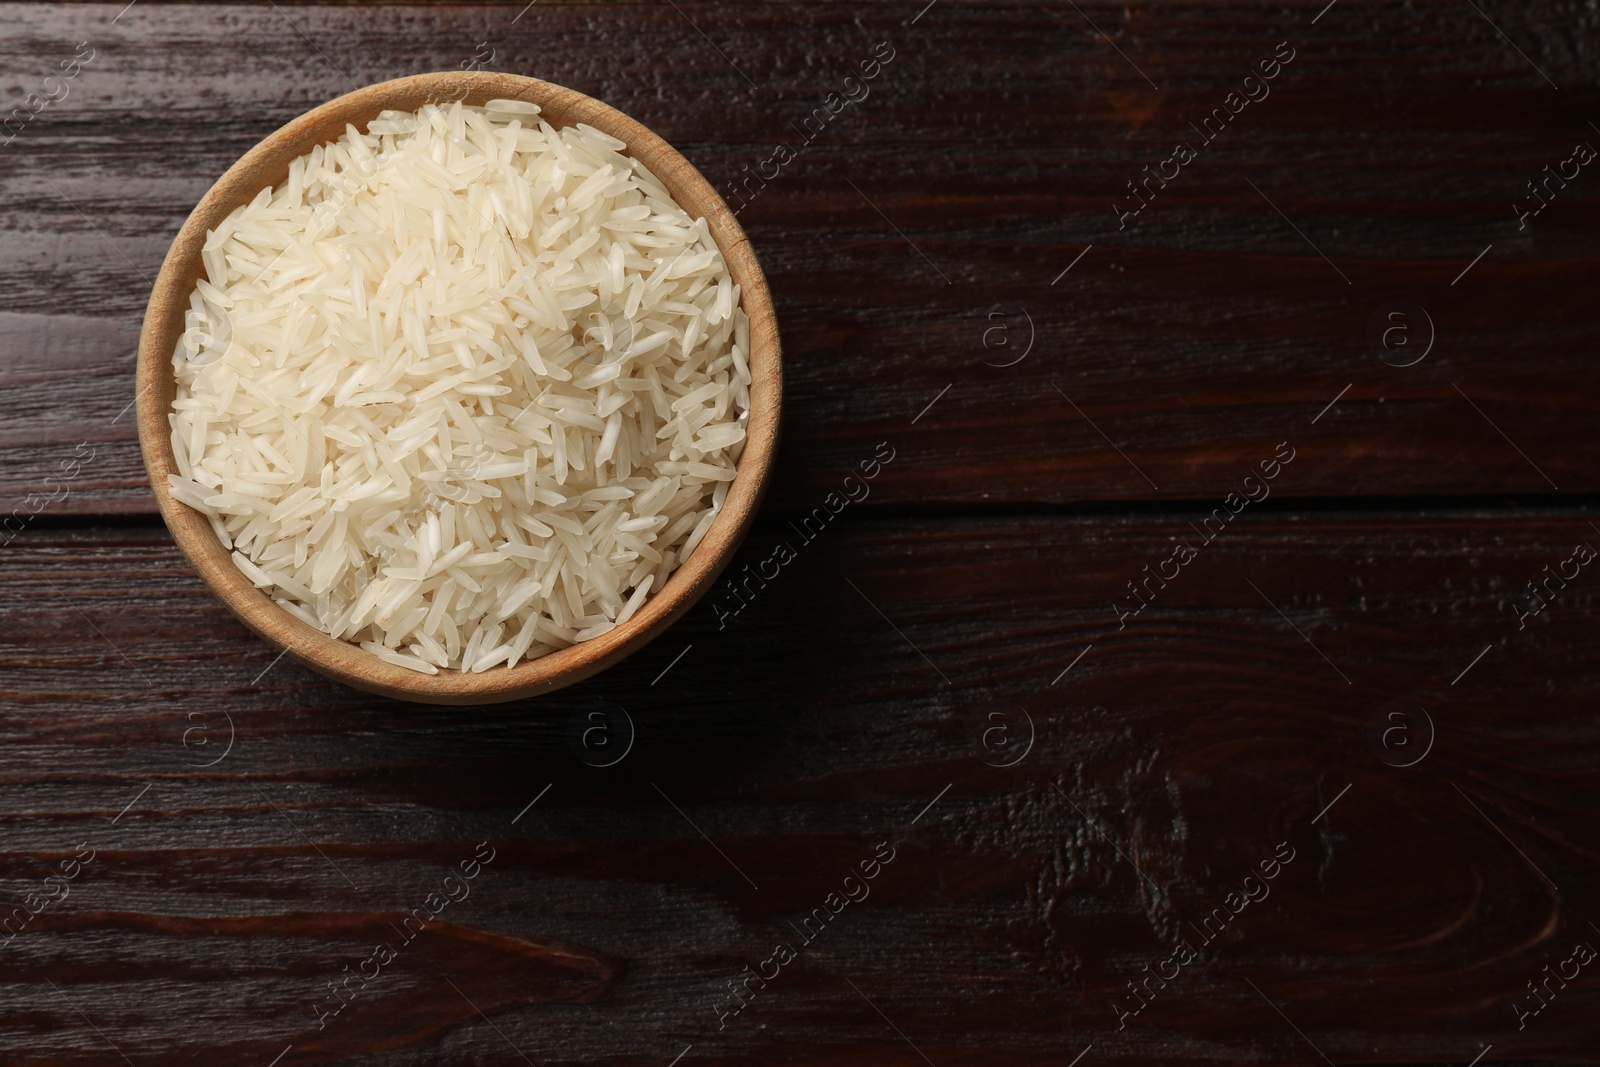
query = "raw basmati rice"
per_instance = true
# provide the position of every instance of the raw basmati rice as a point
(464, 388)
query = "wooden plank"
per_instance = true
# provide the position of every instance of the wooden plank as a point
(939, 216)
(875, 693)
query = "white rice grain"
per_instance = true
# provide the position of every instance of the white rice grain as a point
(464, 389)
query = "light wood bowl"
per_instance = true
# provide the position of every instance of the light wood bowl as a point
(267, 164)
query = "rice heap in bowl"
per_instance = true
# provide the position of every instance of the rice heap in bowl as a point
(464, 388)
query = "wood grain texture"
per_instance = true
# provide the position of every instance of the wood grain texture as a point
(667, 823)
(926, 224)
(278, 961)
(1167, 764)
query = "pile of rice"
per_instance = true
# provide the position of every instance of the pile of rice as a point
(464, 388)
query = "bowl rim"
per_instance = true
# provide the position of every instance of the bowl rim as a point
(266, 164)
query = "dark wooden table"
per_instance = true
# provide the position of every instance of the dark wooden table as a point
(1209, 678)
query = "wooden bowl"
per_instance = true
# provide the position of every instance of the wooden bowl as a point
(267, 164)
